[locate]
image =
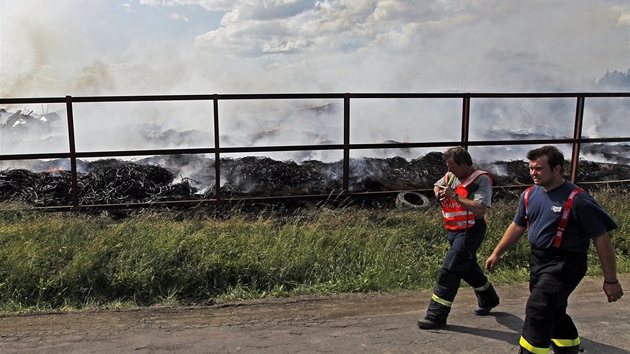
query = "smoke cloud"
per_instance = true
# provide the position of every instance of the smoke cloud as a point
(249, 46)
(144, 47)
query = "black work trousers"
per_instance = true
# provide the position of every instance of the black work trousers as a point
(460, 263)
(554, 274)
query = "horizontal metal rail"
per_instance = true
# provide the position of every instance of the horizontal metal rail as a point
(575, 141)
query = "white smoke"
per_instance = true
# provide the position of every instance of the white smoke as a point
(248, 46)
(144, 47)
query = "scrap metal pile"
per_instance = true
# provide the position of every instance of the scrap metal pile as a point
(158, 179)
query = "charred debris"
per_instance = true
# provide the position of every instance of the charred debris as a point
(18, 121)
(173, 178)
(159, 179)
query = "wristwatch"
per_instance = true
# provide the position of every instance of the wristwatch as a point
(455, 197)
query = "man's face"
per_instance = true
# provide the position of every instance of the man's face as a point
(541, 173)
(460, 171)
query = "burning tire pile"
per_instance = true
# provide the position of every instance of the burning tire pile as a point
(128, 183)
(113, 181)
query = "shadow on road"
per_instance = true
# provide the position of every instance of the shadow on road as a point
(597, 347)
(513, 323)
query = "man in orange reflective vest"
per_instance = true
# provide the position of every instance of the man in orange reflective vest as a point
(561, 220)
(466, 194)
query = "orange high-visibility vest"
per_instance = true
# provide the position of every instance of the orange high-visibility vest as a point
(457, 217)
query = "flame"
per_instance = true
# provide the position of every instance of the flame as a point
(54, 169)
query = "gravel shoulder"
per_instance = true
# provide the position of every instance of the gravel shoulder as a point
(366, 323)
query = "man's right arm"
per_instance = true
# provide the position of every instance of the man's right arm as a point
(511, 236)
(437, 186)
(606, 253)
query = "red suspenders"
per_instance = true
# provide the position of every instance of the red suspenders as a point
(566, 210)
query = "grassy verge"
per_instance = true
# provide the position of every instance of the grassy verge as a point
(66, 261)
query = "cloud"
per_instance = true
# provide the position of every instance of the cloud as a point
(178, 17)
(146, 47)
(184, 46)
(454, 44)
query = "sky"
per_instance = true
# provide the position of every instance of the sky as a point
(129, 47)
(178, 47)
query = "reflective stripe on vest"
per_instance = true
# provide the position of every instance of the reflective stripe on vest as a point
(566, 212)
(456, 216)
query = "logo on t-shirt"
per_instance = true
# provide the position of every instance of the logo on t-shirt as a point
(556, 209)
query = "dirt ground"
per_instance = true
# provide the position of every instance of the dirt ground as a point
(356, 323)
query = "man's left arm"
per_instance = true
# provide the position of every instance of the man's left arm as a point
(606, 253)
(474, 206)
(482, 199)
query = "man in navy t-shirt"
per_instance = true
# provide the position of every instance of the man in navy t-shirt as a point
(561, 219)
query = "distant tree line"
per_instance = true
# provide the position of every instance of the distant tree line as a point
(615, 80)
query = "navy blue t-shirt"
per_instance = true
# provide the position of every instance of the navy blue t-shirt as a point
(544, 210)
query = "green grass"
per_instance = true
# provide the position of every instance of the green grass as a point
(71, 261)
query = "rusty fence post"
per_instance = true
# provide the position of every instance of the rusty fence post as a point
(346, 143)
(465, 121)
(217, 153)
(73, 154)
(577, 137)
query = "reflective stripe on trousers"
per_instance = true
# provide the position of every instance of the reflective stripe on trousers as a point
(554, 275)
(459, 264)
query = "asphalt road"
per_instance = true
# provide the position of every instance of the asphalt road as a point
(357, 323)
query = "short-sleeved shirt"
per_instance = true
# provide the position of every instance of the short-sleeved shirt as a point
(544, 210)
(483, 194)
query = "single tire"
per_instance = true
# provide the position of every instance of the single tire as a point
(412, 200)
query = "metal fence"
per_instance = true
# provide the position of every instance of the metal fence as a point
(576, 140)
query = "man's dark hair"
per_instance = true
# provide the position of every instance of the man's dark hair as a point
(459, 155)
(554, 156)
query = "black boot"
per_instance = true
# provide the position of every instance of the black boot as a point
(487, 300)
(428, 324)
(436, 316)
